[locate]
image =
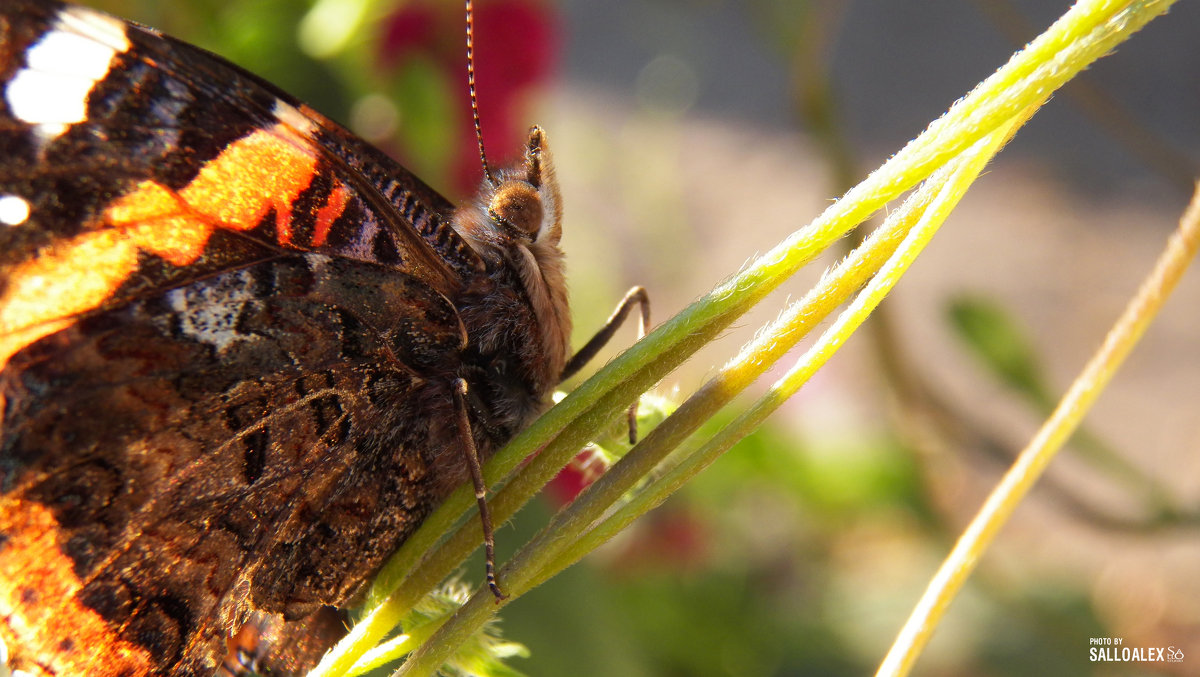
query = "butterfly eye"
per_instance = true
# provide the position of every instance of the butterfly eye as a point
(517, 205)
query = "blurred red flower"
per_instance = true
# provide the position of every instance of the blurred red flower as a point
(516, 51)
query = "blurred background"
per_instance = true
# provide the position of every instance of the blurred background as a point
(691, 135)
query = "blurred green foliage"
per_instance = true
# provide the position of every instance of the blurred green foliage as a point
(1001, 346)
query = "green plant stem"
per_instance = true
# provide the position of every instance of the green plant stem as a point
(754, 360)
(397, 647)
(882, 252)
(1156, 152)
(1032, 461)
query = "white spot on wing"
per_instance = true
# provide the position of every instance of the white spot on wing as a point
(208, 312)
(48, 99)
(14, 210)
(69, 55)
(62, 68)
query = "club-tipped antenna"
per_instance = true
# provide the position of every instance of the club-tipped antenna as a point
(487, 174)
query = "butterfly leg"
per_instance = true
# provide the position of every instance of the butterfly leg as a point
(584, 355)
(472, 458)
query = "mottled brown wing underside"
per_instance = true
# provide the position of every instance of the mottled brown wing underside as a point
(216, 327)
(258, 449)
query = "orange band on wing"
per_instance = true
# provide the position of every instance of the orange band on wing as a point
(264, 171)
(256, 174)
(37, 600)
(334, 205)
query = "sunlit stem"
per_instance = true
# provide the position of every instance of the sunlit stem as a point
(927, 209)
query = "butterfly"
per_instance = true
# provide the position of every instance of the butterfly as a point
(243, 353)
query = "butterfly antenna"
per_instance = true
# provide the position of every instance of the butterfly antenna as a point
(487, 174)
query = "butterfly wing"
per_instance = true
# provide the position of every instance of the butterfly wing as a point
(174, 164)
(217, 314)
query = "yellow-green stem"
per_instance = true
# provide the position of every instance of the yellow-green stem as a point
(928, 208)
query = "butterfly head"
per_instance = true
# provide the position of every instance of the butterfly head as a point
(523, 201)
(516, 220)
